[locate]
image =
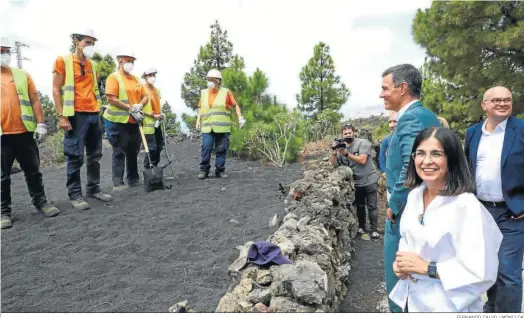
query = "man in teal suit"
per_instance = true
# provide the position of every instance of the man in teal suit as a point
(401, 87)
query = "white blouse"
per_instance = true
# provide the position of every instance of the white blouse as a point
(461, 236)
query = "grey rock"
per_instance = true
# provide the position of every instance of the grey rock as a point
(180, 307)
(260, 296)
(290, 216)
(288, 305)
(290, 224)
(305, 281)
(264, 277)
(303, 222)
(274, 220)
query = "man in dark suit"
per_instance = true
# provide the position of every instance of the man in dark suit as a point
(401, 87)
(495, 152)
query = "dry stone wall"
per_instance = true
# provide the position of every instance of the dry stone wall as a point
(315, 234)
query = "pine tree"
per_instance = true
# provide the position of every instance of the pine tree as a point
(321, 88)
(472, 46)
(217, 53)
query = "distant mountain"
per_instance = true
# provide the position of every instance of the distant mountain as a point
(366, 111)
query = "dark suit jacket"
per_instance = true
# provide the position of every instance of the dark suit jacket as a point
(512, 161)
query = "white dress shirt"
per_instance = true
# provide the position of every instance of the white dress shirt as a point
(461, 236)
(404, 108)
(487, 175)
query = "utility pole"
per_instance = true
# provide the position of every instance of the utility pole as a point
(19, 57)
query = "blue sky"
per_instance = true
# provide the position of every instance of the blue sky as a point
(276, 36)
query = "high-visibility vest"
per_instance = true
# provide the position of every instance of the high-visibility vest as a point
(149, 122)
(68, 90)
(22, 89)
(113, 113)
(215, 118)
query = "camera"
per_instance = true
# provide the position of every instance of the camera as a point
(339, 144)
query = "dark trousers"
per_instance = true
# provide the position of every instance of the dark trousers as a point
(155, 143)
(506, 294)
(367, 196)
(24, 149)
(126, 141)
(220, 141)
(86, 133)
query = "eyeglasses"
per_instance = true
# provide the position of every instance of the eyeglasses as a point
(82, 69)
(497, 101)
(434, 155)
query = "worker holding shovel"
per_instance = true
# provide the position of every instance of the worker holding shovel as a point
(127, 97)
(151, 124)
(214, 122)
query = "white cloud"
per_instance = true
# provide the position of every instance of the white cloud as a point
(276, 36)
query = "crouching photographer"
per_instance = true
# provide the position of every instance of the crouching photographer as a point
(356, 154)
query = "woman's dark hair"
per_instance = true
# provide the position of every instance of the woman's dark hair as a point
(459, 178)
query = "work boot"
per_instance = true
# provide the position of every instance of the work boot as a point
(49, 210)
(222, 175)
(80, 204)
(203, 175)
(101, 197)
(119, 187)
(133, 184)
(6, 221)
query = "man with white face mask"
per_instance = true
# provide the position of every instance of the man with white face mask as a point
(22, 118)
(214, 120)
(127, 97)
(77, 99)
(151, 125)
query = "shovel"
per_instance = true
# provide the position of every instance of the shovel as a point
(153, 177)
(167, 152)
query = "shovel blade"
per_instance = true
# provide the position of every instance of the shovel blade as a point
(153, 179)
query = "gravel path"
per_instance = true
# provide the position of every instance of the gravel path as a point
(143, 252)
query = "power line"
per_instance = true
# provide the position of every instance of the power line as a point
(18, 51)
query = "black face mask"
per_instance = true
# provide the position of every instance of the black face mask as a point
(349, 139)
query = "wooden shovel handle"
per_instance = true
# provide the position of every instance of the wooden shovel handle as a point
(143, 137)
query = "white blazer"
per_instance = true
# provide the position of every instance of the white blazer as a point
(461, 236)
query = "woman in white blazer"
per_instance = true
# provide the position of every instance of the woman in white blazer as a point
(447, 256)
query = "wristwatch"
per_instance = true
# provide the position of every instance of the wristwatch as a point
(432, 270)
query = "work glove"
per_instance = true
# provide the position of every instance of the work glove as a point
(136, 107)
(40, 132)
(137, 115)
(241, 122)
(163, 116)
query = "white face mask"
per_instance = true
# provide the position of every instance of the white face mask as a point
(128, 67)
(89, 51)
(5, 59)
(151, 80)
(210, 84)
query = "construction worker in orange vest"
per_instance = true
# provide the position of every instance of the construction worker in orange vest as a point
(78, 103)
(151, 125)
(126, 96)
(22, 119)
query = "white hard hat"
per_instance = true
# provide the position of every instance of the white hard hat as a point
(6, 43)
(149, 71)
(214, 73)
(126, 52)
(85, 32)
